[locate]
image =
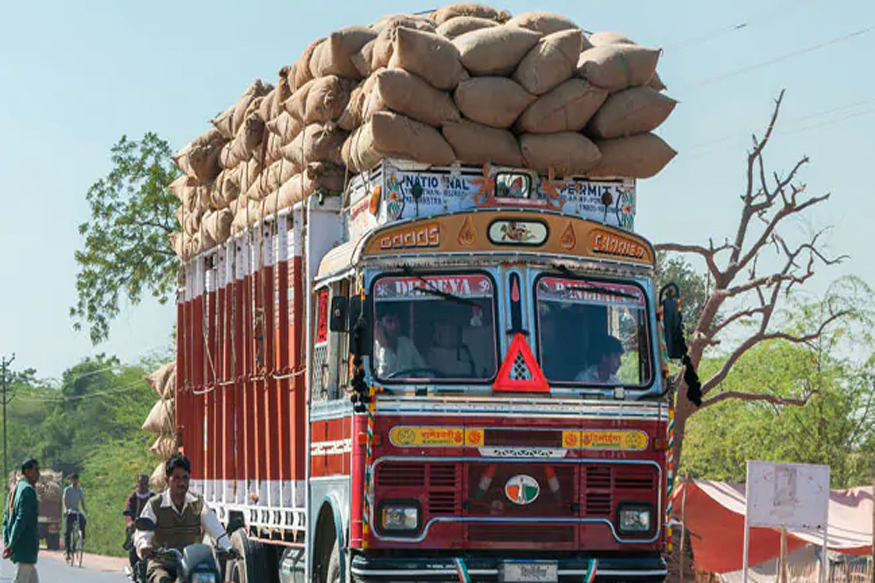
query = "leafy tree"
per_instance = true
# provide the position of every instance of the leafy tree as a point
(127, 248)
(671, 268)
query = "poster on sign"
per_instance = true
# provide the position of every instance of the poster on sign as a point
(416, 288)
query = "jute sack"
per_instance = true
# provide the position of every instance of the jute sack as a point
(384, 45)
(302, 74)
(158, 481)
(550, 62)
(542, 22)
(230, 120)
(218, 225)
(447, 13)
(177, 242)
(568, 153)
(361, 59)
(429, 56)
(495, 51)
(409, 95)
(161, 418)
(599, 39)
(273, 101)
(285, 126)
(291, 192)
(334, 56)
(633, 111)
(247, 214)
(327, 98)
(158, 378)
(184, 189)
(353, 114)
(618, 67)
(391, 135)
(492, 101)
(249, 173)
(207, 241)
(478, 144)
(200, 158)
(317, 143)
(326, 176)
(460, 25)
(227, 188)
(568, 107)
(246, 141)
(163, 447)
(170, 386)
(270, 179)
(641, 156)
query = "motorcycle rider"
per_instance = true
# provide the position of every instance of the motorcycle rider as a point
(180, 518)
(134, 506)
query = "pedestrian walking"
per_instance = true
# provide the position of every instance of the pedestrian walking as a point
(20, 526)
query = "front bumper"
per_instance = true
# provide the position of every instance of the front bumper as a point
(644, 569)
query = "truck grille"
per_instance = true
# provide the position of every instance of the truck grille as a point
(597, 490)
(401, 475)
(521, 533)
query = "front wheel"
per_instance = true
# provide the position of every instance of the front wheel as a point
(332, 574)
(80, 547)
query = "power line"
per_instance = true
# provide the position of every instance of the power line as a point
(63, 399)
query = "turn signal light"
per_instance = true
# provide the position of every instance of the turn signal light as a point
(660, 444)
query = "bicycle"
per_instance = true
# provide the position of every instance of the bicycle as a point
(74, 553)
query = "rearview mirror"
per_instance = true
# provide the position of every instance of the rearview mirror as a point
(145, 524)
(339, 308)
(672, 321)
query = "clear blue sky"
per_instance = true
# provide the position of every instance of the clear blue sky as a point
(76, 76)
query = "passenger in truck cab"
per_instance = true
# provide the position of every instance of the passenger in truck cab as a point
(448, 354)
(604, 372)
(393, 352)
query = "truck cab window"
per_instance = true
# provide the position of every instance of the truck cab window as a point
(421, 334)
(592, 332)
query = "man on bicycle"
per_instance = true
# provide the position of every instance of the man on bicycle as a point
(134, 507)
(74, 508)
(180, 518)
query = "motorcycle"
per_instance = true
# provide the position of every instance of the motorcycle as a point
(197, 563)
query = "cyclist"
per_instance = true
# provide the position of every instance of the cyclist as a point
(74, 507)
(135, 504)
(180, 518)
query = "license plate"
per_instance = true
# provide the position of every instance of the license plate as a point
(528, 572)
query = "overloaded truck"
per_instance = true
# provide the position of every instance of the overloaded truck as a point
(49, 489)
(415, 358)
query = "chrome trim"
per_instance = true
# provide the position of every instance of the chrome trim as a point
(452, 572)
(487, 520)
(328, 410)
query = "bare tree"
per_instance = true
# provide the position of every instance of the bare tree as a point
(740, 293)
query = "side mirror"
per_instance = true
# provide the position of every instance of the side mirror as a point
(672, 321)
(338, 322)
(359, 327)
(145, 524)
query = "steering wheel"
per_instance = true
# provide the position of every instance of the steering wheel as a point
(425, 372)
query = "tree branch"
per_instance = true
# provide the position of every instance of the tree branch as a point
(799, 402)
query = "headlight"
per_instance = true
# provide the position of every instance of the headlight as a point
(634, 519)
(399, 516)
(203, 578)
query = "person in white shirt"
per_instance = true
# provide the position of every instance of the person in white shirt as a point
(393, 352)
(604, 372)
(181, 518)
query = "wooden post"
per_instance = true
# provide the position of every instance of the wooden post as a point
(782, 559)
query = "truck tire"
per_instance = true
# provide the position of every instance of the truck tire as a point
(332, 575)
(53, 542)
(253, 565)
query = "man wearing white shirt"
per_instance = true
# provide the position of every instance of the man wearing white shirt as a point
(181, 518)
(393, 352)
(604, 372)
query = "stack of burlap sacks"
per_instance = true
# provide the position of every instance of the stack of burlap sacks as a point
(161, 420)
(467, 84)
(49, 489)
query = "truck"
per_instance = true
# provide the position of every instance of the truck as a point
(446, 374)
(49, 489)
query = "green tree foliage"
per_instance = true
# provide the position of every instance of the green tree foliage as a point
(127, 248)
(833, 373)
(693, 285)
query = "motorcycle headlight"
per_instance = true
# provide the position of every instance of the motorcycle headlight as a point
(634, 519)
(203, 578)
(399, 516)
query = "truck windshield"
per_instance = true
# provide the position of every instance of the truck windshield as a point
(592, 332)
(434, 327)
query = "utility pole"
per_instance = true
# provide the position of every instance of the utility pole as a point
(4, 379)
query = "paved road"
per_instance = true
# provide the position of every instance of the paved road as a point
(53, 569)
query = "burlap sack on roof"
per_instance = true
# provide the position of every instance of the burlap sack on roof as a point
(247, 140)
(429, 56)
(177, 243)
(161, 418)
(227, 188)
(327, 176)
(406, 20)
(447, 13)
(249, 173)
(642, 156)
(247, 214)
(207, 241)
(495, 51)
(568, 153)
(363, 57)
(317, 143)
(568, 107)
(286, 127)
(391, 135)
(384, 45)
(182, 189)
(633, 111)
(270, 179)
(618, 67)
(230, 120)
(352, 116)
(163, 447)
(291, 192)
(334, 56)
(492, 101)
(409, 95)
(158, 480)
(273, 101)
(478, 144)
(159, 377)
(200, 158)
(460, 25)
(327, 98)
(598, 39)
(218, 225)
(301, 75)
(552, 61)
(542, 22)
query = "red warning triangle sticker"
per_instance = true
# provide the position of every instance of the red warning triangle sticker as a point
(520, 372)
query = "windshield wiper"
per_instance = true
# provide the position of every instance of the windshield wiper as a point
(433, 291)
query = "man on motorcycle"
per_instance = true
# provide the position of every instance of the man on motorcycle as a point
(180, 518)
(135, 504)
